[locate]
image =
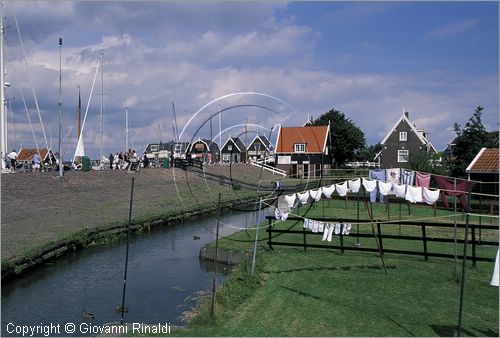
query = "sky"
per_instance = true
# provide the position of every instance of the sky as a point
(262, 64)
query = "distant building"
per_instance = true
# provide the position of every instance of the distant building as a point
(26, 155)
(204, 149)
(259, 147)
(303, 151)
(484, 168)
(233, 151)
(166, 150)
(403, 140)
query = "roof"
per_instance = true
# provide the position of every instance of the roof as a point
(211, 145)
(413, 128)
(237, 142)
(263, 140)
(486, 161)
(315, 137)
(28, 153)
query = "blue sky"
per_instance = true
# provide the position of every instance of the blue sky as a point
(438, 60)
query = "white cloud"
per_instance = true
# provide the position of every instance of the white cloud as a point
(452, 29)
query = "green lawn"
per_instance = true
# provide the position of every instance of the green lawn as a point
(324, 293)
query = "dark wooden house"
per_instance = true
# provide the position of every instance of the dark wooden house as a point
(403, 140)
(260, 147)
(233, 151)
(205, 150)
(303, 151)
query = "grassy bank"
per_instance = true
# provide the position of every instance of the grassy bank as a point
(324, 293)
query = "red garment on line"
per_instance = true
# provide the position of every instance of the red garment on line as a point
(422, 180)
(461, 190)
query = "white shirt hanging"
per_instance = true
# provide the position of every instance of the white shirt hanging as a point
(384, 187)
(430, 196)
(369, 184)
(414, 194)
(341, 189)
(290, 200)
(399, 189)
(354, 185)
(303, 197)
(316, 194)
(328, 191)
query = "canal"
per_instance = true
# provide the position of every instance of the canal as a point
(164, 275)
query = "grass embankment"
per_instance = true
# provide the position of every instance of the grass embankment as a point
(323, 293)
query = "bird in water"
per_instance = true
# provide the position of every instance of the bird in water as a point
(87, 315)
(119, 309)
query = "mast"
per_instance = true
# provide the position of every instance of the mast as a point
(78, 115)
(61, 163)
(3, 113)
(126, 129)
(101, 150)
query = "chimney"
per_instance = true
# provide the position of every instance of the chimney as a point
(407, 114)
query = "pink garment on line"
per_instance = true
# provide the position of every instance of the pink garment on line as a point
(422, 180)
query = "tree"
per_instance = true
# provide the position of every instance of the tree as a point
(367, 154)
(427, 162)
(469, 141)
(347, 138)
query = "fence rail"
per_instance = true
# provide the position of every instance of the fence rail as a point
(424, 238)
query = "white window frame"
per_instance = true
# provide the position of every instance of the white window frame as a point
(299, 148)
(403, 155)
(226, 157)
(155, 147)
(403, 136)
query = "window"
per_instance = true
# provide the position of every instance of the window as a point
(154, 147)
(403, 155)
(299, 147)
(403, 136)
(226, 157)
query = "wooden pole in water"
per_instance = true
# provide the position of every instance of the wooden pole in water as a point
(256, 237)
(216, 260)
(126, 252)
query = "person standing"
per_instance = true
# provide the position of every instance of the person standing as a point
(111, 158)
(12, 157)
(36, 162)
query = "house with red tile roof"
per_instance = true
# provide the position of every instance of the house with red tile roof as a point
(484, 168)
(303, 151)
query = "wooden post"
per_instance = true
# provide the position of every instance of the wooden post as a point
(341, 238)
(126, 252)
(304, 234)
(216, 259)
(424, 238)
(379, 234)
(270, 247)
(473, 230)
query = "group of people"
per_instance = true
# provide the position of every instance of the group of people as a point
(12, 161)
(124, 160)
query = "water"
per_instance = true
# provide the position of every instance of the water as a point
(163, 271)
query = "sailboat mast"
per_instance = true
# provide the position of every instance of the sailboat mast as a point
(78, 115)
(126, 129)
(61, 163)
(3, 114)
(101, 152)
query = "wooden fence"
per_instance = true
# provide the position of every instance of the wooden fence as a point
(273, 237)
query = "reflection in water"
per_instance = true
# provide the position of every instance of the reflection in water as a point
(163, 271)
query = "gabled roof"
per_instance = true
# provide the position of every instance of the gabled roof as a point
(315, 138)
(486, 161)
(211, 145)
(27, 154)
(237, 142)
(263, 140)
(403, 117)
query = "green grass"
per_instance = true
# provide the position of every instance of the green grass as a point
(324, 293)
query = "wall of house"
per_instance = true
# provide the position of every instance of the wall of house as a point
(304, 165)
(389, 155)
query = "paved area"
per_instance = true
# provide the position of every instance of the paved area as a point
(40, 207)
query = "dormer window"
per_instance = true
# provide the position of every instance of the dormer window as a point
(299, 147)
(403, 136)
